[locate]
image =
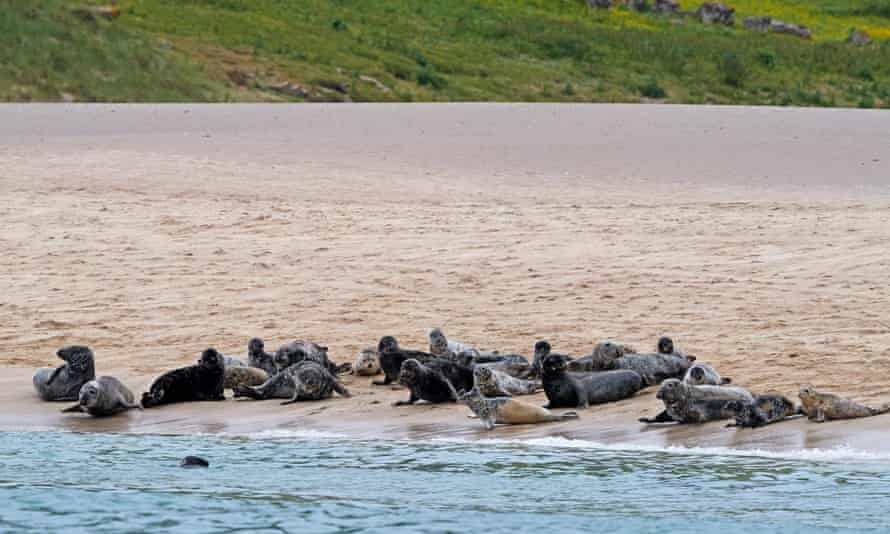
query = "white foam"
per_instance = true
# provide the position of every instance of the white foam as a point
(280, 433)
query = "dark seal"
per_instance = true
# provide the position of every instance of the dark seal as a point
(565, 389)
(259, 358)
(200, 382)
(64, 382)
(765, 410)
(303, 381)
(425, 384)
(685, 403)
(194, 461)
(392, 357)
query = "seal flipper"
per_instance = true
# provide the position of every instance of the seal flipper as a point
(663, 417)
(411, 400)
(73, 409)
(569, 415)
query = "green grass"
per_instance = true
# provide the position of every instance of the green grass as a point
(462, 50)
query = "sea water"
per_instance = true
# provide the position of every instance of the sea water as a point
(315, 483)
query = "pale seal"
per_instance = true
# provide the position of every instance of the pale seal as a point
(425, 384)
(507, 411)
(104, 396)
(367, 363)
(580, 390)
(303, 381)
(702, 374)
(821, 407)
(685, 403)
(392, 356)
(491, 383)
(259, 358)
(243, 376)
(442, 347)
(200, 382)
(765, 410)
(64, 382)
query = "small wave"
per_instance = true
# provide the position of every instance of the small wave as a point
(279, 433)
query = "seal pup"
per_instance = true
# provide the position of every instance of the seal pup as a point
(102, 397)
(259, 358)
(246, 376)
(303, 381)
(765, 410)
(702, 374)
(392, 357)
(508, 411)
(200, 382)
(443, 347)
(64, 382)
(425, 384)
(194, 461)
(821, 407)
(685, 403)
(367, 363)
(579, 390)
(491, 383)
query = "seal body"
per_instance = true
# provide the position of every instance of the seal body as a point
(201, 382)
(443, 347)
(367, 363)
(103, 397)
(685, 403)
(542, 350)
(491, 383)
(579, 390)
(303, 381)
(702, 374)
(259, 358)
(64, 382)
(508, 411)
(655, 368)
(765, 410)
(243, 376)
(461, 377)
(298, 351)
(194, 461)
(514, 365)
(602, 358)
(425, 384)
(392, 356)
(821, 407)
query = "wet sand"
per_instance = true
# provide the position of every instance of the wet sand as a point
(756, 238)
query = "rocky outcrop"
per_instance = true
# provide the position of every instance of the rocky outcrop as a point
(769, 24)
(716, 13)
(859, 37)
(669, 7)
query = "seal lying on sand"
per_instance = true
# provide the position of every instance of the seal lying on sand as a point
(302, 381)
(443, 347)
(702, 374)
(259, 358)
(821, 407)
(542, 350)
(244, 376)
(685, 403)
(367, 363)
(298, 351)
(491, 383)
(425, 384)
(765, 410)
(102, 397)
(507, 411)
(602, 358)
(514, 365)
(64, 382)
(392, 357)
(201, 382)
(580, 390)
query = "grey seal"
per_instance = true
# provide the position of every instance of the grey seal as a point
(367, 363)
(104, 396)
(702, 374)
(442, 347)
(579, 390)
(64, 382)
(765, 410)
(492, 383)
(200, 382)
(194, 461)
(243, 376)
(685, 403)
(425, 384)
(508, 411)
(259, 358)
(392, 356)
(303, 381)
(821, 407)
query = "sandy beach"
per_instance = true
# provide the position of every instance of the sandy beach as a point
(757, 238)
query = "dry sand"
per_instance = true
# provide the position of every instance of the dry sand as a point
(757, 238)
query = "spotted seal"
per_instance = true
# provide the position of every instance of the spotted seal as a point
(821, 407)
(64, 382)
(702, 374)
(685, 403)
(425, 384)
(392, 356)
(765, 410)
(104, 396)
(200, 382)
(246, 376)
(303, 381)
(367, 363)
(259, 358)
(579, 390)
(508, 411)
(298, 351)
(491, 383)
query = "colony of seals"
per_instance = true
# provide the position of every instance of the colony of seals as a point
(64, 382)
(508, 411)
(103, 397)
(200, 382)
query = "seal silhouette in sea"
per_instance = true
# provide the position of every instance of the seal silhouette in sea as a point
(303, 381)
(765, 410)
(64, 382)
(392, 356)
(425, 384)
(565, 389)
(104, 396)
(200, 382)
(259, 358)
(492, 383)
(508, 411)
(367, 363)
(702, 374)
(821, 407)
(685, 403)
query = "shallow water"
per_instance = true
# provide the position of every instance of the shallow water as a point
(58, 481)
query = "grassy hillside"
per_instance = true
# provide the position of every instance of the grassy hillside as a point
(404, 50)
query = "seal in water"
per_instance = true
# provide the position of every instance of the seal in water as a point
(765, 410)
(702, 374)
(259, 358)
(303, 381)
(442, 347)
(392, 357)
(64, 382)
(425, 384)
(104, 396)
(821, 407)
(201, 382)
(685, 403)
(194, 461)
(491, 383)
(243, 376)
(507, 411)
(580, 390)
(367, 363)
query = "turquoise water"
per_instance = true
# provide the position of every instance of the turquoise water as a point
(54, 482)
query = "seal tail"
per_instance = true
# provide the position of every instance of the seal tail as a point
(72, 409)
(241, 390)
(878, 411)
